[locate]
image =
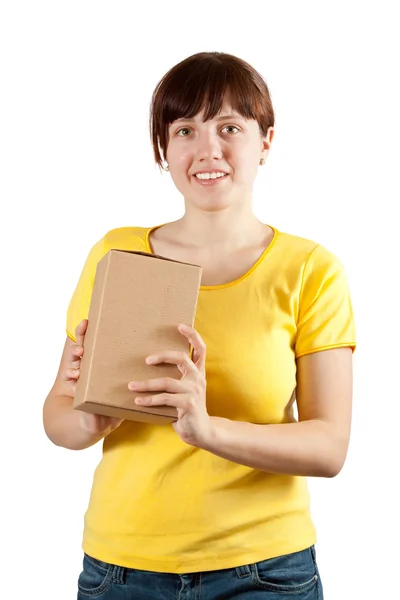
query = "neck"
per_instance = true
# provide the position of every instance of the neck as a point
(229, 227)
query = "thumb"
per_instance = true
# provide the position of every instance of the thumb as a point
(80, 332)
(198, 346)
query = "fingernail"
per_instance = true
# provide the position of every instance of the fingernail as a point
(132, 385)
(150, 360)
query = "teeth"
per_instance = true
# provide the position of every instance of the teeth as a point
(210, 175)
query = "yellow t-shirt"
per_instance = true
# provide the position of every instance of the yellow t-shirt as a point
(161, 505)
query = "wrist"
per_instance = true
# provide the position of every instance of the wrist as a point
(211, 440)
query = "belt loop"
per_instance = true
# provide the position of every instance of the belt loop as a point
(243, 571)
(118, 575)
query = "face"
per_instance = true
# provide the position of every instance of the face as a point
(214, 164)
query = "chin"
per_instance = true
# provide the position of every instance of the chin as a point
(212, 204)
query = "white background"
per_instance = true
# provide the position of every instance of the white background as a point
(76, 80)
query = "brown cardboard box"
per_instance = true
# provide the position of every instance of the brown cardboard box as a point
(138, 300)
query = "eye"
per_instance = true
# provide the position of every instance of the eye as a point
(230, 127)
(183, 132)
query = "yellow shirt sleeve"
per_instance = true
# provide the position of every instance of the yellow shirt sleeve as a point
(326, 318)
(78, 308)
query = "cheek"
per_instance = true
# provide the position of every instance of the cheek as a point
(179, 157)
(246, 160)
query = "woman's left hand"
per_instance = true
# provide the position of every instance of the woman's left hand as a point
(187, 394)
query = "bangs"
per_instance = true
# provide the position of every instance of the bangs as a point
(204, 92)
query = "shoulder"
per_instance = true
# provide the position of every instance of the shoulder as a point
(126, 238)
(305, 252)
(120, 238)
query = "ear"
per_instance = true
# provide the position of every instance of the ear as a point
(266, 142)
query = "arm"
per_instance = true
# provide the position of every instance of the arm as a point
(315, 446)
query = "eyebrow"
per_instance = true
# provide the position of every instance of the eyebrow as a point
(221, 118)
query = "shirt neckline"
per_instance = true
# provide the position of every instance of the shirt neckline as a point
(221, 286)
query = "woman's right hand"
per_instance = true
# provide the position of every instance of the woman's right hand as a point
(97, 425)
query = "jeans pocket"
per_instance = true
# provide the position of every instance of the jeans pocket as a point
(292, 573)
(95, 578)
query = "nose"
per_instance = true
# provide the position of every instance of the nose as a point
(208, 147)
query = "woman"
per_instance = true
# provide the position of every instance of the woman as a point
(216, 506)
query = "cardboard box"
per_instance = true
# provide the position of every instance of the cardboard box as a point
(138, 301)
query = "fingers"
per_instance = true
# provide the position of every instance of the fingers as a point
(161, 400)
(72, 374)
(185, 401)
(76, 353)
(173, 357)
(77, 348)
(162, 384)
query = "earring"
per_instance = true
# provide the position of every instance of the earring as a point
(166, 168)
(262, 161)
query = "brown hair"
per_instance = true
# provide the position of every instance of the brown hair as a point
(201, 81)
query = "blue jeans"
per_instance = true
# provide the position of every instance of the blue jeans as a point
(293, 576)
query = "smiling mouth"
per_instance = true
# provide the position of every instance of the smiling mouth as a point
(210, 181)
(212, 176)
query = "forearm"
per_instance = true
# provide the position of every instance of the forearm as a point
(307, 448)
(64, 425)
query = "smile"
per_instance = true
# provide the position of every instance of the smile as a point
(210, 179)
(216, 175)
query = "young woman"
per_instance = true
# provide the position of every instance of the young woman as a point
(216, 505)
